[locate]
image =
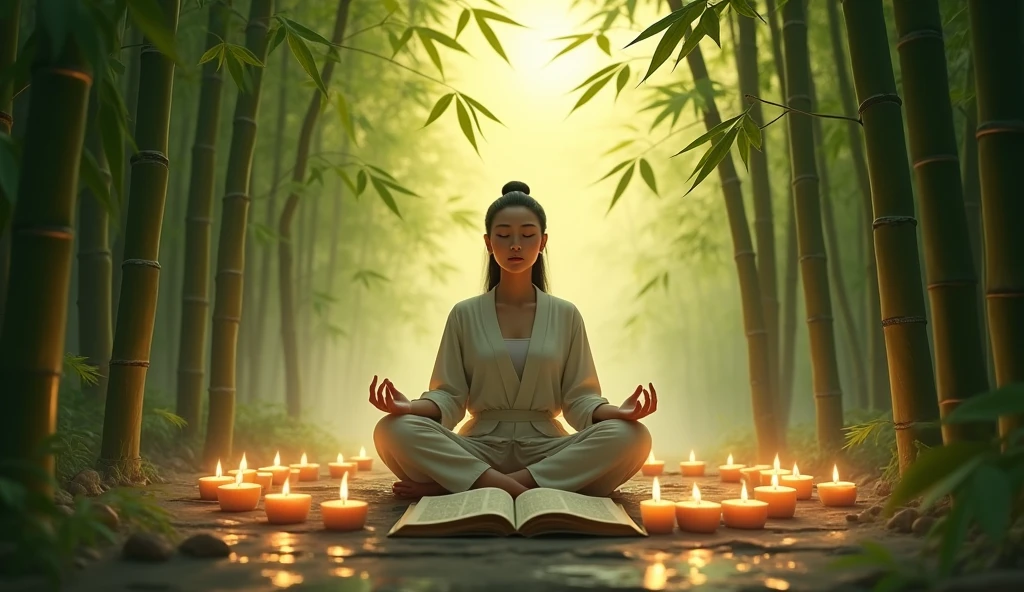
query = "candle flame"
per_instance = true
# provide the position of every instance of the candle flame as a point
(650, 457)
(343, 490)
(243, 465)
(835, 473)
(362, 451)
(729, 461)
(285, 489)
(796, 471)
(696, 492)
(304, 460)
(776, 466)
(341, 458)
(692, 457)
(656, 490)
(743, 492)
(775, 480)
(277, 459)
(219, 470)
(238, 478)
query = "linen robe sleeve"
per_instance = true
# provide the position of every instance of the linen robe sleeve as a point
(581, 391)
(448, 387)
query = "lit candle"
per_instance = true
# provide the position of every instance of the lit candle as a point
(280, 472)
(293, 476)
(338, 469)
(363, 462)
(659, 516)
(801, 483)
(286, 507)
(652, 467)
(307, 471)
(265, 480)
(698, 515)
(248, 475)
(692, 468)
(343, 514)
(752, 475)
(837, 493)
(744, 513)
(766, 475)
(781, 499)
(239, 496)
(208, 485)
(729, 472)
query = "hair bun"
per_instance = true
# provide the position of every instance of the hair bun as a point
(515, 186)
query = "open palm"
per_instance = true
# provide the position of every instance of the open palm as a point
(640, 404)
(388, 399)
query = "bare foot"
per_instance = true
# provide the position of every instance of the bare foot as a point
(414, 490)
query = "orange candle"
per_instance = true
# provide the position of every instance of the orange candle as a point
(280, 472)
(659, 516)
(766, 475)
(801, 483)
(339, 468)
(781, 499)
(286, 507)
(698, 515)
(744, 513)
(837, 493)
(693, 467)
(265, 479)
(307, 471)
(293, 476)
(239, 496)
(208, 485)
(652, 467)
(343, 514)
(363, 462)
(248, 475)
(729, 472)
(752, 475)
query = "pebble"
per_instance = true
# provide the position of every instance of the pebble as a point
(76, 489)
(146, 547)
(204, 545)
(903, 521)
(883, 489)
(922, 525)
(106, 515)
(90, 480)
(63, 498)
(852, 517)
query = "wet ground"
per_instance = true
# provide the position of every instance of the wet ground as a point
(789, 555)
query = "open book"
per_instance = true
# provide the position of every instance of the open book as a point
(492, 511)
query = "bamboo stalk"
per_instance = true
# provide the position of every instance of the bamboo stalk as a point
(131, 100)
(10, 19)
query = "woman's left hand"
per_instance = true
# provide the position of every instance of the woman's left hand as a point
(635, 408)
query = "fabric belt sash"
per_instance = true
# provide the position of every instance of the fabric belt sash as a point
(513, 415)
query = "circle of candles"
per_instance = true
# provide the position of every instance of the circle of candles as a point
(286, 507)
(744, 513)
(280, 472)
(837, 493)
(698, 515)
(659, 516)
(801, 483)
(208, 485)
(729, 472)
(652, 467)
(248, 475)
(265, 479)
(343, 514)
(766, 475)
(692, 468)
(239, 496)
(781, 500)
(752, 475)
(307, 471)
(363, 462)
(339, 468)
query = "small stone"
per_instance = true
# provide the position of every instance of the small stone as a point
(883, 488)
(922, 525)
(146, 547)
(866, 516)
(106, 515)
(204, 545)
(76, 489)
(852, 517)
(63, 498)
(875, 510)
(903, 521)
(90, 480)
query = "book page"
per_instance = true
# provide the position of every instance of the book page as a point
(475, 502)
(553, 501)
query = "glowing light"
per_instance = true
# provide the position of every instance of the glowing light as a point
(284, 488)
(362, 452)
(796, 471)
(277, 459)
(343, 489)
(650, 457)
(243, 465)
(775, 480)
(693, 457)
(729, 461)
(696, 492)
(219, 471)
(341, 458)
(238, 478)
(303, 461)
(835, 473)
(776, 463)
(743, 493)
(655, 577)
(656, 490)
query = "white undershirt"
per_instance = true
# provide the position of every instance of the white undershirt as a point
(517, 349)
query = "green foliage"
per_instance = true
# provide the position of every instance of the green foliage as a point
(464, 106)
(263, 429)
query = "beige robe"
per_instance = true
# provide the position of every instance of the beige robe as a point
(512, 423)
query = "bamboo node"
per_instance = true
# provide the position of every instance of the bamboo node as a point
(59, 232)
(222, 389)
(730, 181)
(1012, 126)
(77, 74)
(909, 320)
(745, 253)
(953, 283)
(903, 425)
(821, 256)
(804, 177)
(149, 48)
(143, 262)
(820, 319)
(261, 24)
(918, 35)
(794, 23)
(893, 221)
(227, 318)
(950, 402)
(229, 271)
(199, 220)
(936, 158)
(149, 157)
(877, 99)
(136, 363)
(1003, 293)
(199, 146)
(93, 253)
(828, 394)
(199, 299)
(244, 119)
(237, 195)
(754, 332)
(7, 118)
(791, 98)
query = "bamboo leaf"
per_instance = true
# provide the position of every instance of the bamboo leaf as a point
(743, 144)
(1006, 400)
(235, 68)
(385, 196)
(752, 131)
(384, 174)
(244, 55)
(428, 45)
(618, 147)
(476, 105)
(692, 40)
(604, 44)
(647, 287)
(277, 36)
(668, 43)
(930, 468)
(494, 16)
(715, 156)
(96, 180)
(463, 21)
(465, 124)
(149, 17)
(439, 108)
(440, 38)
(591, 92)
(406, 36)
(214, 52)
(615, 169)
(621, 80)
(647, 173)
(390, 5)
(597, 75)
(744, 9)
(399, 188)
(360, 182)
(491, 38)
(347, 180)
(687, 13)
(580, 40)
(305, 32)
(992, 499)
(621, 187)
(718, 129)
(305, 58)
(345, 116)
(955, 531)
(712, 26)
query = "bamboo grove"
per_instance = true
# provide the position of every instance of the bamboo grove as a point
(196, 166)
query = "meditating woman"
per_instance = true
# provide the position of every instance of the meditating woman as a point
(515, 357)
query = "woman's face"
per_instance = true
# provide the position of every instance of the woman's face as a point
(515, 239)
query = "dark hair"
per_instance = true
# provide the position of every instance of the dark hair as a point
(516, 193)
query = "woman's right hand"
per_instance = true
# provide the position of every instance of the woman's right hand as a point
(388, 399)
